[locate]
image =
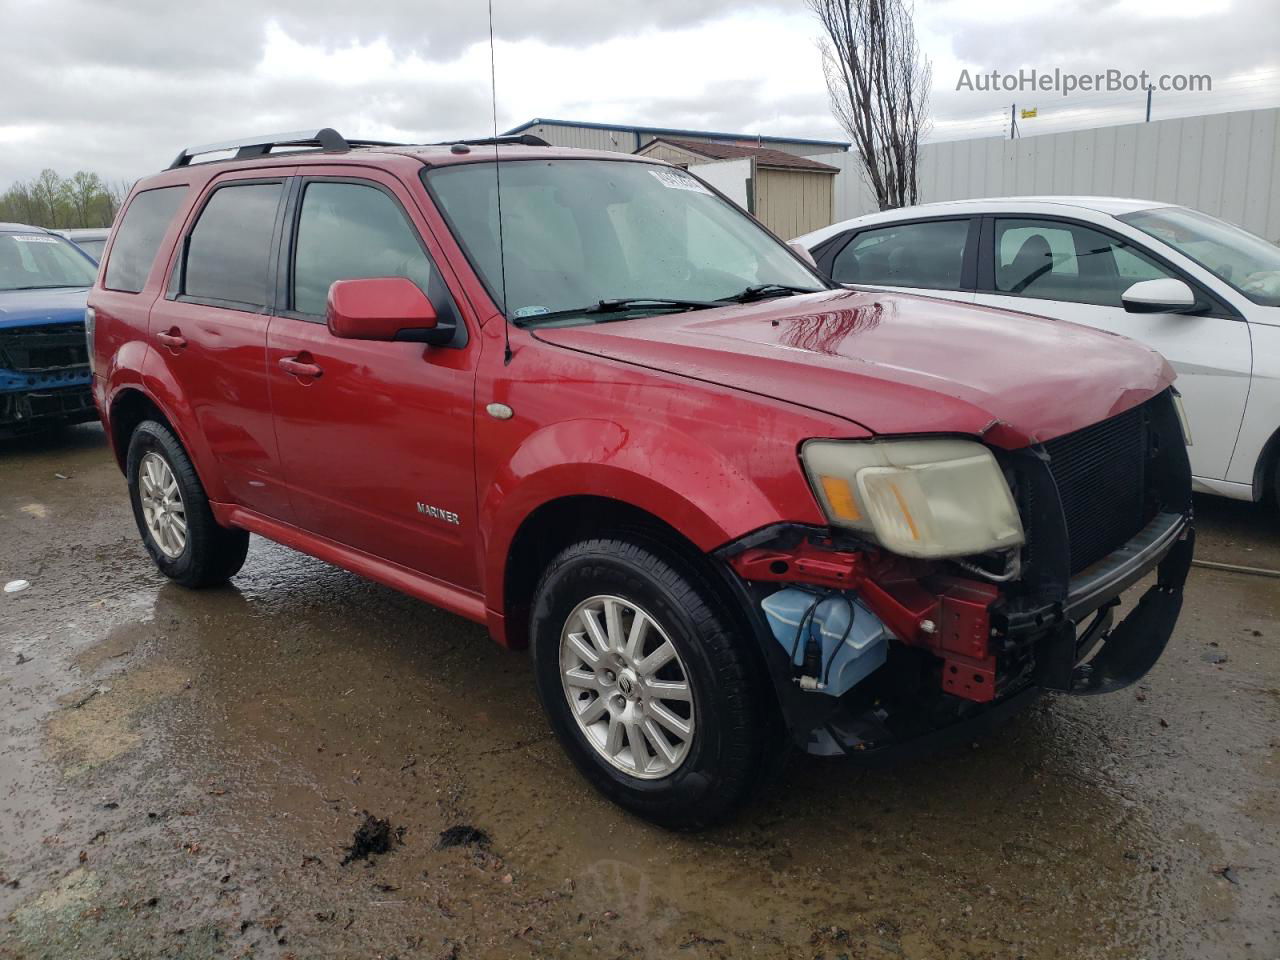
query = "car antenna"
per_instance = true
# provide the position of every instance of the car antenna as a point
(497, 176)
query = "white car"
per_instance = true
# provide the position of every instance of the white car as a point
(1202, 292)
(92, 240)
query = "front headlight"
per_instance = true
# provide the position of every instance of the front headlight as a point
(918, 498)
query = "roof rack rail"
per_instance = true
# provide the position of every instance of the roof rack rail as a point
(523, 139)
(326, 139)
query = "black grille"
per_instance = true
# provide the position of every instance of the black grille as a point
(56, 346)
(1101, 476)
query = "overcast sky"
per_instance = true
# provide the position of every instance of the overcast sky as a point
(118, 87)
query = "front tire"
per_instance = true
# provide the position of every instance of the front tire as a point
(655, 697)
(173, 513)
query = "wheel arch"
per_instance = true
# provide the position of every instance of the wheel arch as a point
(145, 388)
(129, 407)
(558, 523)
(1266, 472)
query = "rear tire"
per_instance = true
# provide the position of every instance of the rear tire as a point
(173, 513)
(671, 721)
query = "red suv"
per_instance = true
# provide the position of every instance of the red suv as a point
(583, 399)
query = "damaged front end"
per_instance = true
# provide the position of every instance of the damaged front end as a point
(872, 650)
(44, 377)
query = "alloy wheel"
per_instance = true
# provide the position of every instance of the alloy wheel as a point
(627, 687)
(162, 507)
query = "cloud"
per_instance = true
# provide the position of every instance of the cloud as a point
(119, 87)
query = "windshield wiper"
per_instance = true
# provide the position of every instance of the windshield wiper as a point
(620, 305)
(762, 291)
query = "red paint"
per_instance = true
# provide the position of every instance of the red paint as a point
(378, 308)
(358, 451)
(898, 363)
(804, 563)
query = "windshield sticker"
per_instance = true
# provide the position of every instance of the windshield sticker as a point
(529, 312)
(33, 238)
(679, 180)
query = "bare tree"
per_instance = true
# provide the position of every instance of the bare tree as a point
(878, 81)
(83, 191)
(116, 192)
(17, 204)
(47, 193)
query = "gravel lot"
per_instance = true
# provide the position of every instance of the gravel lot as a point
(182, 773)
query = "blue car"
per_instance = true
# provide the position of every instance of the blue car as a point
(44, 362)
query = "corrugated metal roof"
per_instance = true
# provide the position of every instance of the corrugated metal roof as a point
(764, 156)
(672, 131)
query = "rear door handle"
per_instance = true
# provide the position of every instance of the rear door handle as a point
(299, 367)
(172, 338)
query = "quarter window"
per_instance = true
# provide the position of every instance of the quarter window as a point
(229, 250)
(138, 238)
(1049, 260)
(929, 255)
(349, 231)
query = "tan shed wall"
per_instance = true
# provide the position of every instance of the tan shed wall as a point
(791, 203)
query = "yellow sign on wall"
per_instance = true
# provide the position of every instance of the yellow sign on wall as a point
(1028, 114)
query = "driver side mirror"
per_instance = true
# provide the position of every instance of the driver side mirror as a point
(384, 308)
(1166, 295)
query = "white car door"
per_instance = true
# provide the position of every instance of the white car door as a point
(922, 256)
(1065, 269)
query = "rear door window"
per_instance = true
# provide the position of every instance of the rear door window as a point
(138, 238)
(228, 254)
(928, 254)
(349, 231)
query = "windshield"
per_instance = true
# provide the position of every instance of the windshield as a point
(576, 232)
(37, 261)
(1246, 262)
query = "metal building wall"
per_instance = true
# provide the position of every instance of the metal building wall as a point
(1226, 164)
(589, 138)
(624, 140)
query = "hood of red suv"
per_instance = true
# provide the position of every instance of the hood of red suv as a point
(896, 363)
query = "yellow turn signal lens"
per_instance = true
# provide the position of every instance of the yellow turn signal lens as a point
(906, 511)
(840, 498)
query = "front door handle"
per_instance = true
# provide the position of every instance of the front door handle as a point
(172, 338)
(300, 366)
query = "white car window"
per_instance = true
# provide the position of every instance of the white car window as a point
(928, 255)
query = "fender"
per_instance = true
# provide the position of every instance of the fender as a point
(124, 372)
(135, 366)
(1259, 433)
(705, 495)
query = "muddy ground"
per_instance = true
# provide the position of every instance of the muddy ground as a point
(181, 773)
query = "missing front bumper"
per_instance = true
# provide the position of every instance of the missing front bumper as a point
(26, 411)
(905, 708)
(1129, 650)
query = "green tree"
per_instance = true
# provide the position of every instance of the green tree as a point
(57, 202)
(83, 192)
(49, 196)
